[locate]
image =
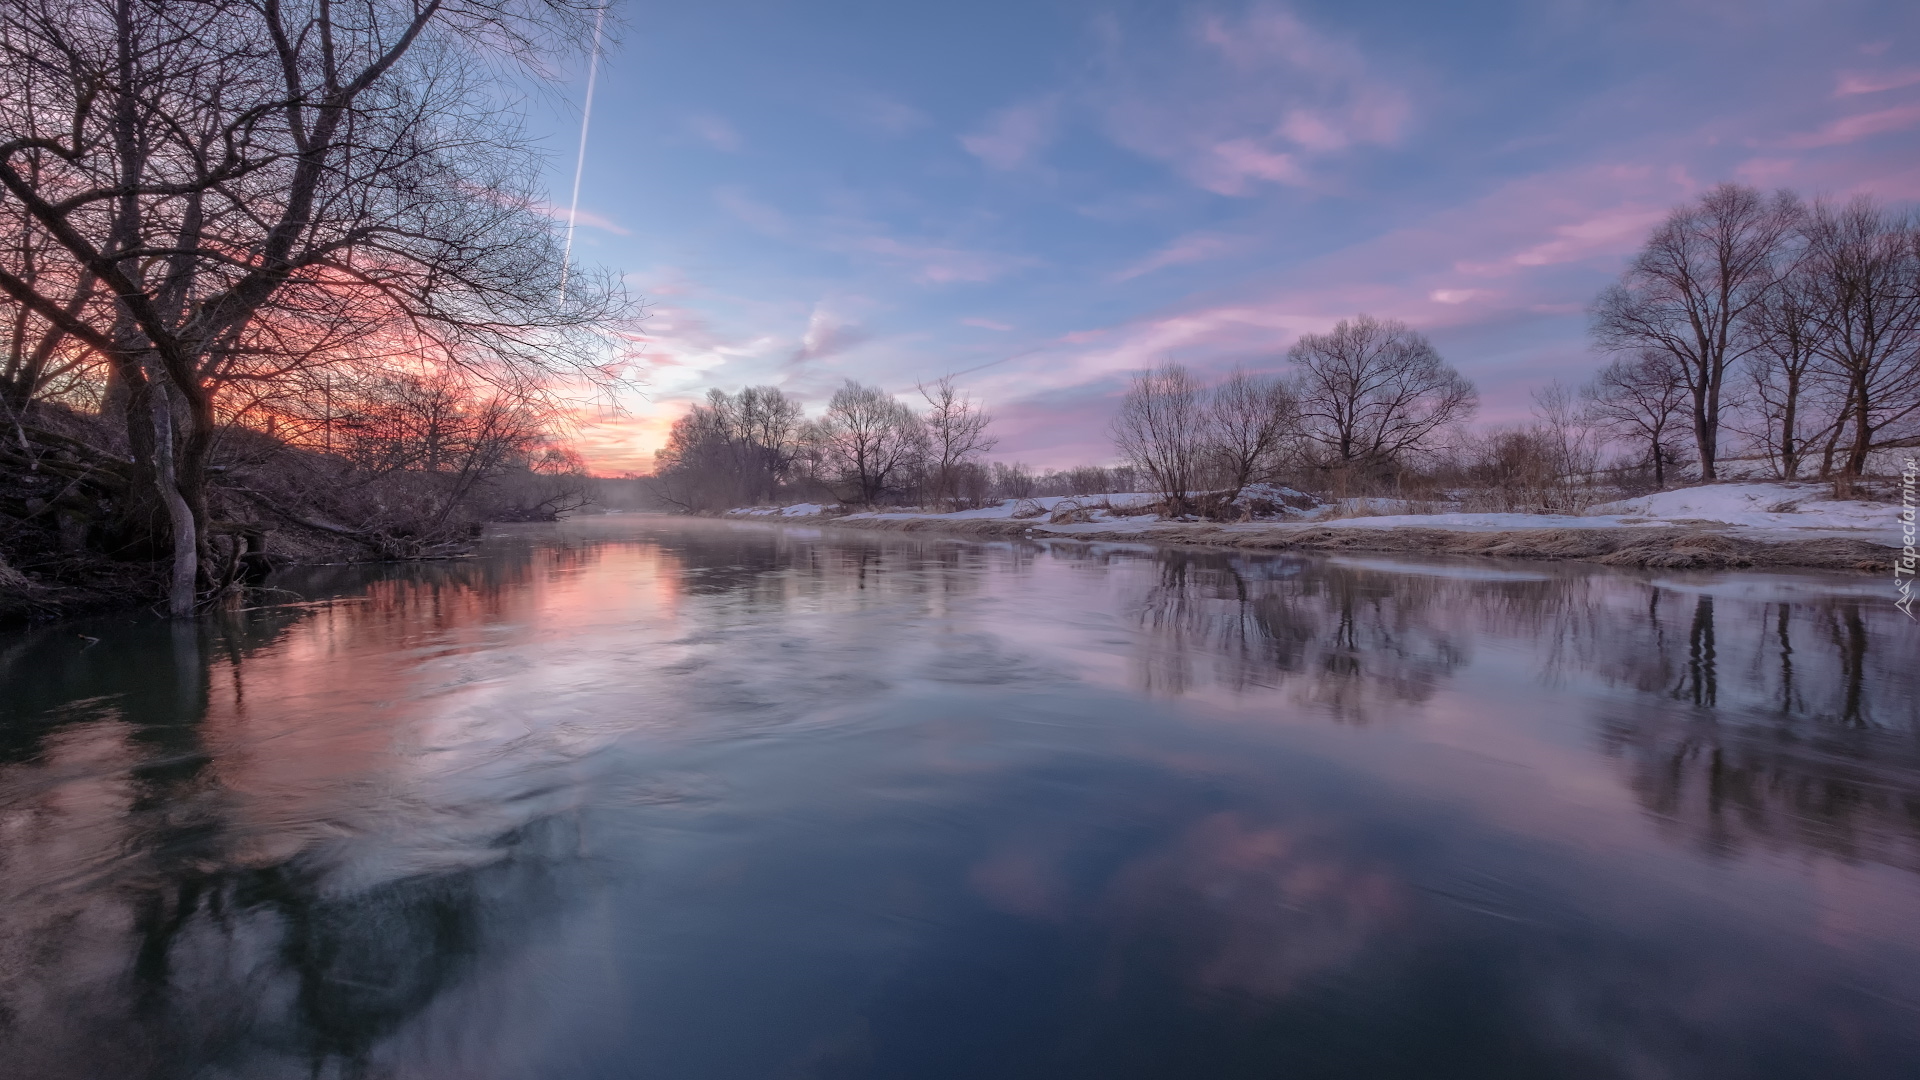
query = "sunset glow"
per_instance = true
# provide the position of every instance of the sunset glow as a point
(1048, 196)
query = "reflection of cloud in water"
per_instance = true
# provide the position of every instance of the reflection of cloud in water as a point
(303, 841)
(1253, 909)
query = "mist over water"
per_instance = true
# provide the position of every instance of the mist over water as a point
(641, 797)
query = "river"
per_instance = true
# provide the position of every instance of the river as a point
(635, 797)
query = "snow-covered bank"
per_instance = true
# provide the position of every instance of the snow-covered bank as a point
(1747, 524)
(1777, 510)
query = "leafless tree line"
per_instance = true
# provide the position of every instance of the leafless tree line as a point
(1747, 323)
(208, 209)
(1363, 402)
(868, 448)
(1793, 325)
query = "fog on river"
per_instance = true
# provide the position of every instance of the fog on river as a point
(645, 797)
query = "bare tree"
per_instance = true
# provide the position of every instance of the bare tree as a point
(1787, 337)
(213, 187)
(1250, 418)
(1863, 269)
(1162, 430)
(734, 450)
(874, 444)
(1692, 288)
(1640, 401)
(1013, 480)
(1567, 427)
(1089, 480)
(956, 434)
(1371, 392)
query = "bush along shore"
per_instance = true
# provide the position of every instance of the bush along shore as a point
(80, 531)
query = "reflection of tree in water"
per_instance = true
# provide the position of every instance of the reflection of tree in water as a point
(156, 920)
(757, 570)
(1347, 639)
(1772, 724)
(266, 971)
(1752, 721)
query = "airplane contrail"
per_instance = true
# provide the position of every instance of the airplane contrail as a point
(580, 162)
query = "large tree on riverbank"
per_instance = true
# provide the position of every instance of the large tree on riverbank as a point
(227, 194)
(1695, 291)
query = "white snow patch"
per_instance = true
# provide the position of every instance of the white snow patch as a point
(1774, 506)
(1779, 511)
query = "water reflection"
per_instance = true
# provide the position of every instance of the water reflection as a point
(646, 798)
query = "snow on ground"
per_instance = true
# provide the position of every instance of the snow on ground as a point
(1037, 509)
(796, 510)
(1775, 505)
(1774, 511)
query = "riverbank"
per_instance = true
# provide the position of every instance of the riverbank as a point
(1722, 526)
(1653, 548)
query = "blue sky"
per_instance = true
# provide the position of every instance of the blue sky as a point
(1046, 196)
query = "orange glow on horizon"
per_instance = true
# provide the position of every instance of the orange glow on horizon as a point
(614, 445)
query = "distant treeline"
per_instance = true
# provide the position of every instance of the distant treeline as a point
(1766, 329)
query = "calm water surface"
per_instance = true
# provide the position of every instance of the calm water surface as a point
(634, 797)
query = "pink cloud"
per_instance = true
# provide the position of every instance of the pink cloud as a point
(715, 131)
(1549, 240)
(1192, 248)
(1766, 171)
(985, 324)
(1250, 101)
(588, 217)
(1873, 82)
(547, 209)
(1608, 232)
(1014, 135)
(1228, 168)
(827, 334)
(1849, 129)
(735, 200)
(886, 115)
(939, 265)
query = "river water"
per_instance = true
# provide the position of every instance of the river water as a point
(652, 798)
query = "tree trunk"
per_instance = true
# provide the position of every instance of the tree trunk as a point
(1703, 434)
(1862, 432)
(1789, 449)
(186, 538)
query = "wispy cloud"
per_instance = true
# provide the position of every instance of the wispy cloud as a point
(715, 131)
(937, 264)
(1859, 126)
(1850, 83)
(1246, 101)
(588, 217)
(827, 334)
(882, 113)
(1608, 231)
(547, 209)
(762, 217)
(1192, 248)
(1013, 136)
(986, 324)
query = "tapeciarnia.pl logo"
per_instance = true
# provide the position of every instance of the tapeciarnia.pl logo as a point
(1904, 564)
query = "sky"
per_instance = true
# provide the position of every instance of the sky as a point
(1044, 196)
